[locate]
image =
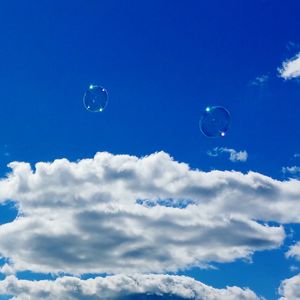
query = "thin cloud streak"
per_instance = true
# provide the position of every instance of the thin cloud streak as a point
(234, 156)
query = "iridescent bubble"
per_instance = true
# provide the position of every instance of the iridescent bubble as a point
(95, 98)
(215, 121)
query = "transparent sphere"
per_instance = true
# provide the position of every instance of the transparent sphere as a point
(95, 98)
(215, 121)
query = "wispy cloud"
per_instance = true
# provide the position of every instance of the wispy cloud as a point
(294, 268)
(290, 68)
(291, 45)
(293, 171)
(5, 150)
(259, 80)
(234, 155)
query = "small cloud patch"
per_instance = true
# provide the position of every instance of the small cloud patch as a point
(234, 156)
(260, 80)
(293, 171)
(290, 68)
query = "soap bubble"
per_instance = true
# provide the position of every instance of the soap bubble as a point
(95, 98)
(215, 121)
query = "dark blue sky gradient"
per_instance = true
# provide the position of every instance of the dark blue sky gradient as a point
(162, 63)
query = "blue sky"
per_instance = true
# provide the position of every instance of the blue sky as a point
(162, 63)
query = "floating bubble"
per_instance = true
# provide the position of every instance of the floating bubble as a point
(95, 98)
(215, 121)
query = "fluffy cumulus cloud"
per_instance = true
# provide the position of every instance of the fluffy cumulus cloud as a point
(121, 287)
(234, 155)
(291, 68)
(86, 216)
(123, 214)
(294, 251)
(290, 288)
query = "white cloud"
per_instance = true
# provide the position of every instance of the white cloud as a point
(7, 269)
(290, 288)
(291, 68)
(294, 251)
(294, 268)
(234, 155)
(294, 170)
(80, 217)
(120, 287)
(118, 239)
